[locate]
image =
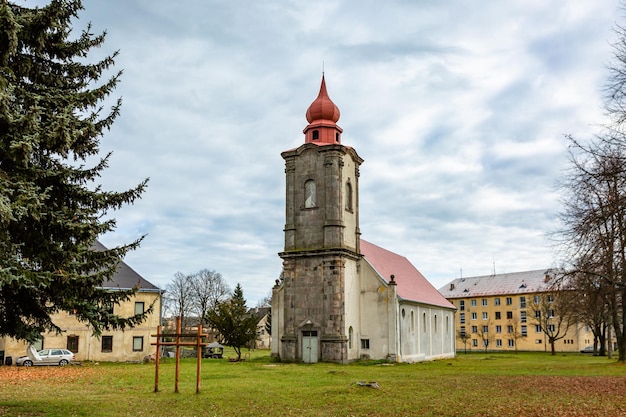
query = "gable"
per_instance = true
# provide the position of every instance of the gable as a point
(412, 285)
(125, 278)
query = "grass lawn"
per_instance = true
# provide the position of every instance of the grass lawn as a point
(501, 384)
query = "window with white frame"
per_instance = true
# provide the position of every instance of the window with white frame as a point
(137, 343)
(462, 318)
(474, 316)
(485, 315)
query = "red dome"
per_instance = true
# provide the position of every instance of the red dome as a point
(322, 107)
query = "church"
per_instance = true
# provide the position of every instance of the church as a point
(342, 298)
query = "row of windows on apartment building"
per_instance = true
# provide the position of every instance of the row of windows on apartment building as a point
(509, 315)
(511, 342)
(509, 329)
(508, 301)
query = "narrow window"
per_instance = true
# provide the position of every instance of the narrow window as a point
(336, 137)
(524, 331)
(72, 343)
(309, 194)
(522, 302)
(462, 305)
(462, 318)
(139, 307)
(435, 321)
(316, 134)
(350, 335)
(349, 196)
(523, 316)
(137, 343)
(107, 343)
(412, 323)
(424, 321)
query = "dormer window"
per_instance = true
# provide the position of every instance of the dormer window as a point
(316, 135)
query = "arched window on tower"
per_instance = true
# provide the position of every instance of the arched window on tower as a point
(309, 194)
(349, 196)
(316, 135)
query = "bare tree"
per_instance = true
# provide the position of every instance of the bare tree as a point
(485, 335)
(594, 219)
(514, 331)
(464, 337)
(178, 299)
(553, 315)
(207, 289)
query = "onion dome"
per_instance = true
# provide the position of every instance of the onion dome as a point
(322, 116)
(322, 107)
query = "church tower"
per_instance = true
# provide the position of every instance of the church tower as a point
(322, 240)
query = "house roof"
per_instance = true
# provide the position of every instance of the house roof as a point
(412, 285)
(125, 277)
(526, 282)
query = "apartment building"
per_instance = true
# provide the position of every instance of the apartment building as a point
(503, 312)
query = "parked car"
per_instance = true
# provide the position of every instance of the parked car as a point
(59, 357)
(587, 349)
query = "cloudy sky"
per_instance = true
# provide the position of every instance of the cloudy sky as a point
(459, 109)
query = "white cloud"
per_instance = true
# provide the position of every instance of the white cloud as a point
(458, 109)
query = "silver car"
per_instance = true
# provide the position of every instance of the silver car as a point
(59, 357)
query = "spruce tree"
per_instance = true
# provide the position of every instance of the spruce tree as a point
(235, 323)
(52, 209)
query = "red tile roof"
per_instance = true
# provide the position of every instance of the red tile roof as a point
(412, 285)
